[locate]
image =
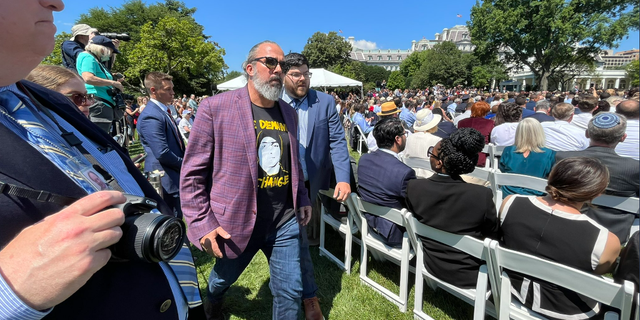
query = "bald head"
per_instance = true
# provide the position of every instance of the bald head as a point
(629, 109)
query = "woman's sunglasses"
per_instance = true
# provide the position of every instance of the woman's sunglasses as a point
(270, 62)
(80, 98)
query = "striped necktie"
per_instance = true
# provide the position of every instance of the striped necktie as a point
(185, 270)
(66, 158)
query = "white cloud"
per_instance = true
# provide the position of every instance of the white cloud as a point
(365, 45)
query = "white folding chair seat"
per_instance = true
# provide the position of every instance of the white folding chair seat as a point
(500, 179)
(477, 296)
(348, 229)
(595, 287)
(400, 256)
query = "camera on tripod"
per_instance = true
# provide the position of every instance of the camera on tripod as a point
(118, 36)
(147, 236)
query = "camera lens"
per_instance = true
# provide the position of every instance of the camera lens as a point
(149, 237)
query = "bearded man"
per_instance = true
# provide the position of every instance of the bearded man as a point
(243, 190)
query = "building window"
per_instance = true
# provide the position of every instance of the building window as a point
(370, 58)
(379, 58)
(623, 84)
(399, 58)
(389, 58)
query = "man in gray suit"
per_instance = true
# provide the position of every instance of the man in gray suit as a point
(605, 131)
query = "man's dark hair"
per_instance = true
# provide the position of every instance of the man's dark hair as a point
(576, 99)
(548, 95)
(294, 59)
(511, 94)
(629, 109)
(603, 106)
(508, 112)
(587, 104)
(386, 131)
(398, 102)
(521, 100)
(604, 95)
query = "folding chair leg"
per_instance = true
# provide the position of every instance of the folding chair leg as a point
(404, 273)
(348, 245)
(505, 299)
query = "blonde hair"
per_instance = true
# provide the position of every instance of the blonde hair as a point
(529, 136)
(98, 50)
(51, 77)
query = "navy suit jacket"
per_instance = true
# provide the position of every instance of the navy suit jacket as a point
(382, 180)
(541, 117)
(162, 144)
(137, 287)
(326, 144)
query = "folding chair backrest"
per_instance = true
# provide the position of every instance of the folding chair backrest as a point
(592, 286)
(494, 153)
(467, 244)
(393, 215)
(628, 204)
(481, 173)
(417, 163)
(516, 180)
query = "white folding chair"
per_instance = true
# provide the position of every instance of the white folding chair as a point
(500, 179)
(417, 163)
(379, 248)
(481, 173)
(361, 140)
(477, 296)
(595, 287)
(494, 156)
(627, 204)
(348, 229)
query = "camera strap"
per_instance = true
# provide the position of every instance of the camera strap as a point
(38, 195)
(74, 141)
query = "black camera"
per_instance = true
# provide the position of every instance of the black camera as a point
(147, 236)
(118, 36)
(119, 97)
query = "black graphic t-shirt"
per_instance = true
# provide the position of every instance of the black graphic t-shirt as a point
(275, 199)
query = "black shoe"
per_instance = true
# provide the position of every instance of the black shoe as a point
(213, 311)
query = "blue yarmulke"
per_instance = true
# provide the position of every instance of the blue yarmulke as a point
(606, 120)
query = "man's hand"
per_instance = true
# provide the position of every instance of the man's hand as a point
(49, 261)
(342, 191)
(305, 215)
(209, 244)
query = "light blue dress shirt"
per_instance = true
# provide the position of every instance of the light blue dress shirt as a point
(302, 108)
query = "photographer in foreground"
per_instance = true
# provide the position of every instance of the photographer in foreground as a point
(54, 261)
(99, 81)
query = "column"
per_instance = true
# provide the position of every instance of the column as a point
(604, 83)
(493, 84)
(617, 85)
(524, 84)
(588, 84)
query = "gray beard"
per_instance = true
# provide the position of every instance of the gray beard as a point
(268, 91)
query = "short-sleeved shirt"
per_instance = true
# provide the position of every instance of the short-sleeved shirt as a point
(275, 196)
(87, 63)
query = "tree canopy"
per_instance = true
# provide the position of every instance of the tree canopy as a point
(164, 37)
(633, 72)
(551, 35)
(325, 50)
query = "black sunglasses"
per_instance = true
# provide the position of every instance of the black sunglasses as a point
(270, 62)
(430, 153)
(80, 98)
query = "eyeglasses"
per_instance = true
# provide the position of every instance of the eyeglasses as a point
(270, 62)
(430, 153)
(80, 98)
(298, 75)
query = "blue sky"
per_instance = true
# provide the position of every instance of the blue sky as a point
(237, 25)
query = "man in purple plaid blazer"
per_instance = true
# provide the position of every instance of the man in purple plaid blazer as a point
(242, 187)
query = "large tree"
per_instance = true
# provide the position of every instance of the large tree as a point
(325, 50)
(550, 35)
(134, 15)
(633, 72)
(442, 64)
(396, 81)
(55, 57)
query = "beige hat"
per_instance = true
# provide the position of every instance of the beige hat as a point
(425, 120)
(80, 30)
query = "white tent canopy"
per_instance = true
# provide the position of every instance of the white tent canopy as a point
(321, 78)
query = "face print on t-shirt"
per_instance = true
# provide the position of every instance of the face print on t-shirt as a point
(269, 155)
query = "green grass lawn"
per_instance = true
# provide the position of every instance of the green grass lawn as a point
(342, 295)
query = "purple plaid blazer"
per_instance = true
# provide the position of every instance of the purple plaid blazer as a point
(219, 176)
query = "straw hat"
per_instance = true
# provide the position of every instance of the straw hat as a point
(425, 120)
(388, 108)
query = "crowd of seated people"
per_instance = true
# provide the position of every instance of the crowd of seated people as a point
(578, 154)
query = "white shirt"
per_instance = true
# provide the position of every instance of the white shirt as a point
(372, 144)
(581, 120)
(185, 123)
(417, 146)
(563, 136)
(504, 134)
(629, 147)
(465, 115)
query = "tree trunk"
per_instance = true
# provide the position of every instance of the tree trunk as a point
(544, 80)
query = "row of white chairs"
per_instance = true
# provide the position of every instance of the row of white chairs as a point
(492, 272)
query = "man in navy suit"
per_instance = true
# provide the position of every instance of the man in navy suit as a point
(160, 137)
(382, 177)
(323, 150)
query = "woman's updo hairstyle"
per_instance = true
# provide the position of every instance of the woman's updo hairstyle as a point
(577, 179)
(459, 152)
